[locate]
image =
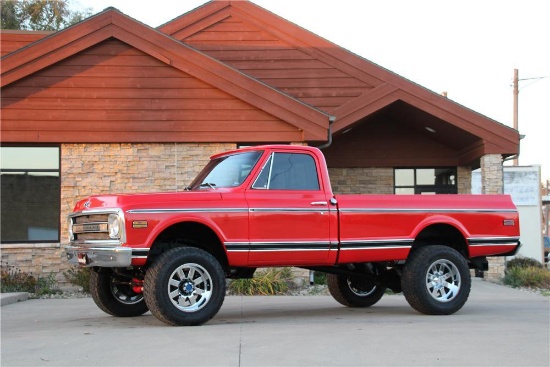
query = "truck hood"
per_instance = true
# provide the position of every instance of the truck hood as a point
(131, 201)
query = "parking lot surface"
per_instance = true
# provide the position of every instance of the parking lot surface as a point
(498, 326)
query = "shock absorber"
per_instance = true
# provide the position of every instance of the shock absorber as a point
(137, 285)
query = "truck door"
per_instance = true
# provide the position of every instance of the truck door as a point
(289, 213)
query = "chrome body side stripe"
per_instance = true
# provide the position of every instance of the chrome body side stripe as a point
(237, 246)
(188, 210)
(140, 252)
(376, 244)
(419, 210)
(288, 210)
(493, 241)
(226, 210)
(280, 246)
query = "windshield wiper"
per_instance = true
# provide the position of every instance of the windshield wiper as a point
(208, 184)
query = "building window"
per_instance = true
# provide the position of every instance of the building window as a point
(425, 181)
(30, 194)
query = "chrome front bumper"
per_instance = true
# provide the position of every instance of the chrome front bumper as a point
(110, 257)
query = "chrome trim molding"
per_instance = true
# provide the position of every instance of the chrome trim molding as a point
(404, 243)
(279, 246)
(513, 244)
(187, 210)
(225, 210)
(289, 210)
(114, 257)
(375, 242)
(492, 239)
(386, 247)
(97, 242)
(104, 256)
(419, 210)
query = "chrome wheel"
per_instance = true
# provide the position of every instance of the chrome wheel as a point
(356, 291)
(361, 289)
(114, 294)
(190, 287)
(124, 293)
(443, 280)
(436, 280)
(184, 286)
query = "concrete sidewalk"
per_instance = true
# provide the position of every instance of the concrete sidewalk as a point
(498, 326)
(9, 298)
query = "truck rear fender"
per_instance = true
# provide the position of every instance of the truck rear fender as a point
(191, 232)
(441, 230)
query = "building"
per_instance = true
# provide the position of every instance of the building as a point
(112, 105)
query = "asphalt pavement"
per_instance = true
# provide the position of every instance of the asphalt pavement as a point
(498, 326)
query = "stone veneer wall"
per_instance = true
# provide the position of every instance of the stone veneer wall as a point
(361, 180)
(88, 169)
(380, 180)
(464, 183)
(491, 174)
(491, 183)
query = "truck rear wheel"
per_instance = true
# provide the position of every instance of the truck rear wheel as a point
(355, 291)
(436, 280)
(185, 286)
(113, 294)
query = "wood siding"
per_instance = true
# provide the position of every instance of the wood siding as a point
(115, 93)
(258, 77)
(384, 142)
(11, 40)
(270, 59)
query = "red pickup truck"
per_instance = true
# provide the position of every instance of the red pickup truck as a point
(273, 206)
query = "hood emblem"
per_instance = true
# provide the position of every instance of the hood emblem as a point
(87, 204)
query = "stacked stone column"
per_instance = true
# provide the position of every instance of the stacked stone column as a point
(492, 183)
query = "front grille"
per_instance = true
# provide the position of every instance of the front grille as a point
(91, 218)
(90, 227)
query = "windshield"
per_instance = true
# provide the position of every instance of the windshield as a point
(228, 171)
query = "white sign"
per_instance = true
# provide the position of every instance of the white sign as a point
(521, 183)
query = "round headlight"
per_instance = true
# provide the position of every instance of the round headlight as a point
(114, 226)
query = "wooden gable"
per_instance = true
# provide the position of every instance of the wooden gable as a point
(13, 40)
(238, 34)
(332, 79)
(112, 79)
(114, 92)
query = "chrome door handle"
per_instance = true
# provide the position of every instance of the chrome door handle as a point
(316, 203)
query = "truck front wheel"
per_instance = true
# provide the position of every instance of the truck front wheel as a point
(185, 286)
(355, 291)
(436, 280)
(114, 294)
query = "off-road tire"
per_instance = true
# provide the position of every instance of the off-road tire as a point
(354, 292)
(114, 298)
(436, 280)
(185, 286)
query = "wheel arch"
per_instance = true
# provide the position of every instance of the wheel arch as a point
(190, 233)
(447, 232)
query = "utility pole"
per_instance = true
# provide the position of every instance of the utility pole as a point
(516, 93)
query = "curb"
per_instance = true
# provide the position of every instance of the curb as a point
(9, 298)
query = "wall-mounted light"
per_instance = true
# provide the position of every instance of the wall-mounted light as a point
(429, 129)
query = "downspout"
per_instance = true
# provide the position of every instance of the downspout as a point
(515, 156)
(329, 137)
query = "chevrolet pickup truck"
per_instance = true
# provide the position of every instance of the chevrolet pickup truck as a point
(273, 206)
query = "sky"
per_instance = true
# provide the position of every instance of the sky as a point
(467, 48)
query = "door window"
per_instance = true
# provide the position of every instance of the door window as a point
(288, 171)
